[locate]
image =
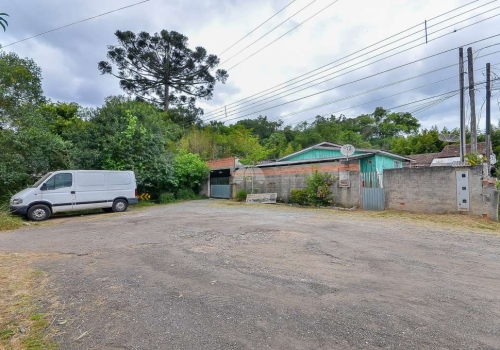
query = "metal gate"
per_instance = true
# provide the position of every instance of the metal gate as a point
(372, 191)
(220, 188)
(373, 199)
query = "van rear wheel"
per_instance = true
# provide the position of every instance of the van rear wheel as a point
(119, 205)
(39, 212)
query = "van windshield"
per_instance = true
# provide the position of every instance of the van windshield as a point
(42, 180)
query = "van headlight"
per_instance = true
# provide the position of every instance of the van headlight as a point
(17, 201)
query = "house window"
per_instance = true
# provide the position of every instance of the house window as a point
(397, 164)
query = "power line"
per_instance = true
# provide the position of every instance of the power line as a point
(272, 42)
(376, 89)
(379, 88)
(395, 107)
(323, 91)
(432, 104)
(72, 24)
(260, 25)
(268, 32)
(216, 115)
(328, 64)
(382, 98)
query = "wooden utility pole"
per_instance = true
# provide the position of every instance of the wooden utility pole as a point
(462, 111)
(473, 126)
(488, 118)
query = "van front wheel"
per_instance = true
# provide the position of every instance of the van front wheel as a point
(119, 205)
(39, 212)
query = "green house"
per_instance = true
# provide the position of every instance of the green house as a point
(369, 160)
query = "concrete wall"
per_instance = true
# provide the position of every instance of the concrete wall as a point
(283, 179)
(433, 190)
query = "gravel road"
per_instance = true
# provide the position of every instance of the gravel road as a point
(214, 275)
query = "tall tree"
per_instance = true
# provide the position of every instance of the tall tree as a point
(20, 88)
(162, 69)
(261, 127)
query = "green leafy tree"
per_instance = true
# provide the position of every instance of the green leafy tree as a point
(20, 89)
(125, 134)
(27, 154)
(261, 127)
(161, 68)
(62, 118)
(189, 171)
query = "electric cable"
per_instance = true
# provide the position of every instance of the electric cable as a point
(268, 32)
(358, 51)
(72, 24)
(231, 112)
(260, 25)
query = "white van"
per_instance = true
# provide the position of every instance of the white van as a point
(68, 190)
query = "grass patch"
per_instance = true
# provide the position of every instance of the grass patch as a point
(453, 220)
(9, 222)
(23, 325)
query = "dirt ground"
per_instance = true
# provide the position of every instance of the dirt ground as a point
(215, 275)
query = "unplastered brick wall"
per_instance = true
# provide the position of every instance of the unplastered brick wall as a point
(283, 179)
(223, 163)
(434, 190)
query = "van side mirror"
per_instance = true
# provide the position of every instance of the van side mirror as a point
(44, 187)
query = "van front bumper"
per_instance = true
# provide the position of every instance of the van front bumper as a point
(19, 210)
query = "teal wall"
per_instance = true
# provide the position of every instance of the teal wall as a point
(317, 154)
(377, 163)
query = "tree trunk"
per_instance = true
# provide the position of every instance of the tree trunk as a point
(166, 100)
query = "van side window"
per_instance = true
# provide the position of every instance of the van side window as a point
(60, 181)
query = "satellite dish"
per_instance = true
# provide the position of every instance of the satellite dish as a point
(449, 138)
(347, 150)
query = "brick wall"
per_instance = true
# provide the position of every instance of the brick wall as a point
(222, 163)
(283, 179)
(434, 190)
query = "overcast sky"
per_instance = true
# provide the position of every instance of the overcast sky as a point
(69, 57)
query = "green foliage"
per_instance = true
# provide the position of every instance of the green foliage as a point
(241, 196)
(299, 196)
(426, 141)
(185, 193)
(474, 159)
(165, 198)
(20, 89)
(26, 155)
(219, 141)
(127, 135)
(161, 68)
(189, 171)
(318, 188)
(261, 127)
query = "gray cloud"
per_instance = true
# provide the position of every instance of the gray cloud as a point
(69, 57)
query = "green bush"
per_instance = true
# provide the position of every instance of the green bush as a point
(318, 189)
(299, 197)
(185, 193)
(165, 198)
(241, 196)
